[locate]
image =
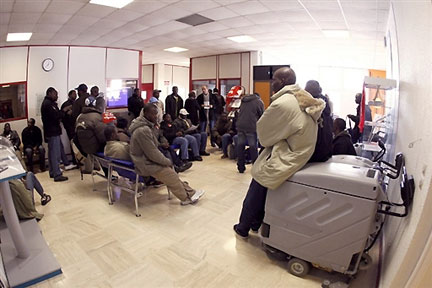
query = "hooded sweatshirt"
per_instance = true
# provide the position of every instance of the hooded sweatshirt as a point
(251, 109)
(342, 144)
(288, 131)
(144, 150)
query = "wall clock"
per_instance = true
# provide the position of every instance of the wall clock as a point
(47, 64)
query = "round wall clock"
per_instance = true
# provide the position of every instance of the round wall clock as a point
(47, 64)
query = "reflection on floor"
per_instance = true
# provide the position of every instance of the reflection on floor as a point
(99, 245)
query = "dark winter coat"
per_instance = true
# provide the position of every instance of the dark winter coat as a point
(251, 109)
(31, 137)
(342, 144)
(135, 104)
(90, 130)
(193, 108)
(202, 112)
(173, 106)
(51, 117)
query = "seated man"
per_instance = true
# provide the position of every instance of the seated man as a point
(177, 137)
(32, 139)
(185, 126)
(223, 132)
(13, 137)
(122, 130)
(149, 161)
(342, 139)
(288, 131)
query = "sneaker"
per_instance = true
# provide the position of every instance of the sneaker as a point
(45, 199)
(70, 167)
(224, 156)
(193, 199)
(198, 158)
(239, 234)
(204, 153)
(60, 178)
(183, 167)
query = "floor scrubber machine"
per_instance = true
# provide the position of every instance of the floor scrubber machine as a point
(330, 214)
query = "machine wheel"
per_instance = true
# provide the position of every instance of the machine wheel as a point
(298, 267)
(365, 261)
(275, 254)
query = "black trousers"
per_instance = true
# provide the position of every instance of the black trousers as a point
(252, 214)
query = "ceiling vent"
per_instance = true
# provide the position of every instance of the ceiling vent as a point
(195, 20)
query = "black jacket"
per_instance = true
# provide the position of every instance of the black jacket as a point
(78, 105)
(342, 144)
(193, 108)
(220, 104)
(250, 111)
(169, 131)
(51, 117)
(173, 106)
(135, 105)
(68, 120)
(31, 137)
(202, 112)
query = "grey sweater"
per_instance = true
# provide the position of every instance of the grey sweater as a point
(251, 109)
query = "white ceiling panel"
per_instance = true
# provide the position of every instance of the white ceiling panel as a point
(98, 11)
(278, 5)
(107, 24)
(327, 15)
(71, 29)
(227, 2)
(134, 27)
(96, 31)
(150, 20)
(321, 5)
(193, 31)
(82, 20)
(172, 13)
(304, 26)
(167, 28)
(239, 21)
(178, 35)
(19, 28)
(64, 7)
(6, 6)
(252, 29)
(219, 13)
(46, 28)
(51, 18)
(144, 7)
(248, 7)
(42, 36)
(24, 18)
(196, 6)
(4, 18)
(29, 6)
(124, 15)
(227, 33)
(213, 26)
(125, 42)
(330, 25)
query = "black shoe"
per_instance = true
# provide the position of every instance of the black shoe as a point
(213, 144)
(241, 171)
(45, 199)
(204, 153)
(198, 158)
(60, 178)
(184, 167)
(239, 234)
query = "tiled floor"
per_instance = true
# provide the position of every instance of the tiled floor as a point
(99, 245)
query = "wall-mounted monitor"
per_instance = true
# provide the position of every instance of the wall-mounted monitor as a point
(118, 92)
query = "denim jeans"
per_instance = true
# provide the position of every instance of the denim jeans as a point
(63, 155)
(54, 154)
(193, 144)
(226, 140)
(203, 125)
(201, 138)
(33, 183)
(252, 213)
(243, 139)
(29, 154)
(183, 142)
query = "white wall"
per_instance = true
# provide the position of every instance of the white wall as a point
(204, 68)
(13, 64)
(147, 73)
(166, 76)
(122, 64)
(229, 66)
(405, 239)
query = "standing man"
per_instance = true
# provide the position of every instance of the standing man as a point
(51, 117)
(288, 131)
(207, 107)
(173, 103)
(68, 121)
(356, 135)
(342, 140)
(80, 103)
(193, 108)
(159, 104)
(32, 140)
(220, 104)
(251, 109)
(100, 100)
(135, 104)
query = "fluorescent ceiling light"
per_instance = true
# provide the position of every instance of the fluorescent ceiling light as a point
(336, 33)
(18, 37)
(176, 49)
(112, 3)
(242, 39)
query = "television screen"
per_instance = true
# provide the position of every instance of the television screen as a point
(118, 92)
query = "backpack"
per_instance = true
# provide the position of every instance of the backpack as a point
(86, 139)
(323, 146)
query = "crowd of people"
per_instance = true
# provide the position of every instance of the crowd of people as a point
(295, 129)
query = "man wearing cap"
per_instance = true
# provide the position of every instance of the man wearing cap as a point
(185, 126)
(159, 104)
(173, 103)
(51, 117)
(80, 102)
(135, 104)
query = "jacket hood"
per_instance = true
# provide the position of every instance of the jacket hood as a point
(86, 110)
(344, 133)
(313, 107)
(249, 98)
(139, 122)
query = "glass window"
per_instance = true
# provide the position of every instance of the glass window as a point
(227, 84)
(197, 84)
(13, 101)
(118, 92)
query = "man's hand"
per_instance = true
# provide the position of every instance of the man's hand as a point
(165, 145)
(352, 117)
(179, 134)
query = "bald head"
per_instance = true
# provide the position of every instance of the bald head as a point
(313, 87)
(282, 77)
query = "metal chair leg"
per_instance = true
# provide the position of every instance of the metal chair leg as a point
(137, 214)
(92, 173)
(109, 186)
(169, 193)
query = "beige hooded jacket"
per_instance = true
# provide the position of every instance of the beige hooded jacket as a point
(288, 131)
